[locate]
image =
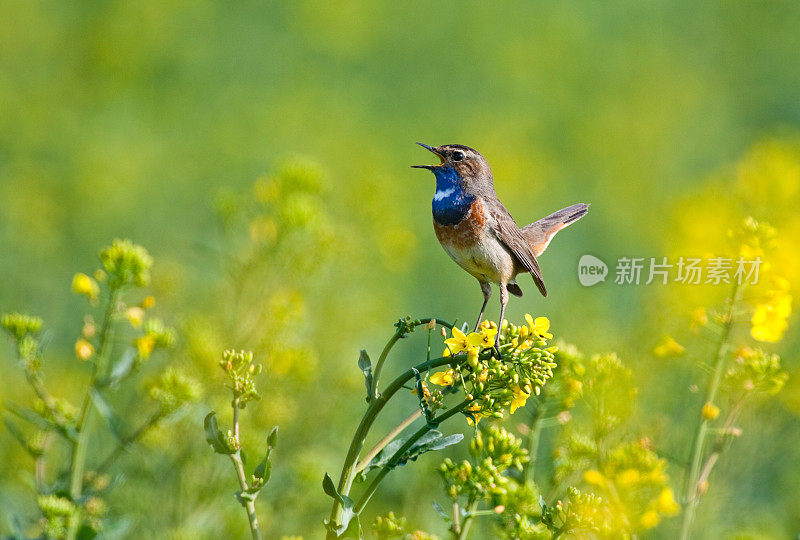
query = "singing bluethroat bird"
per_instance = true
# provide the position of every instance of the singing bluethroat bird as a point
(477, 231)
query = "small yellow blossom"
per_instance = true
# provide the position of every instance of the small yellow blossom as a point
(668, 347)
(628, 477)
(769, 319)
(520, 397)
(145, 344)
(443, 378)
(649, 519)
(710, 411)
(539, 326)
(483, 339)
(148, 302)
(593, 476)
(83, 284)
(446, 353)
(458, 342)
(426, 393)
(698, 318)
(665, 504)
(473, 409)
(83, 349)
(135, 316)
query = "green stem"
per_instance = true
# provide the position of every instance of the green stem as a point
(87, 413)
(238, 465)
(397, 456)
(385, 353)
(356, 445)
(533, 442)
(125, 442)
(465, 526)
(690, 488)
(386, 440)
(375, 405)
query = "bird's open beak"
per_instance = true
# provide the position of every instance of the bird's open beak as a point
(431, 149)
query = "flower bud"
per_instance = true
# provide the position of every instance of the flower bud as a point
(83, 349)
(710, 411)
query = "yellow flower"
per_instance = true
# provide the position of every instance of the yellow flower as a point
(135, 316)
(667, 347)
(628, 477)
(520, 397)
(145, 344)
(83, 349)
(458, 342)
(593, 476)
(443, 378)
(649, 519)
(83, 284)
(446, 353)
(148, 302)
(483, 339)
(710, 411)
(769, 319)
(474, 408)
(665, 504)
(539, 326)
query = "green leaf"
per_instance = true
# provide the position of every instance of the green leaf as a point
(123, 368)
(365, 365)
(18, 435)
(439, 510)
(107, 412)
(214, 436)
(272, 438)
(29, 415)
(432, 440)
(350, 527)
(264, 469)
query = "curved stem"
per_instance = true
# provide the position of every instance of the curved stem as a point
(397, 456)
(690, 488)
(375, 406)
(394, 339)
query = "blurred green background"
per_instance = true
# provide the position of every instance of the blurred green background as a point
(152, 120)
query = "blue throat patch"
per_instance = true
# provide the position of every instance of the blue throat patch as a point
(450, 203)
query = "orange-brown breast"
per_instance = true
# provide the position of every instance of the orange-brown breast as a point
(467, 232)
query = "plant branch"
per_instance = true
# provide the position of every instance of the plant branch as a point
(386, 440)
(87, 412)
(690, 488)
(125, 442)
(397, 456)
(238, 465)
(374, 407)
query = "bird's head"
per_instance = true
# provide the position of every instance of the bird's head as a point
(467, 163)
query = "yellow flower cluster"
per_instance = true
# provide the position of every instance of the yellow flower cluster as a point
(509, 380)
(634, 485)
(769, 320)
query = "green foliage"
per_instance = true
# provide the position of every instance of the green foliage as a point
(134, 119)
(71, 498)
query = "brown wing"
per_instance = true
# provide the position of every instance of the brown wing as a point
(539, 233)
(509, 234)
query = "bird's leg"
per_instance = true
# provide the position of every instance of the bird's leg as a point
(486, 289)
(503, 302)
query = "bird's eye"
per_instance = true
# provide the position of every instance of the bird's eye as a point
(458, 156)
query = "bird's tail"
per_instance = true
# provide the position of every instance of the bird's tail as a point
(539, 233)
